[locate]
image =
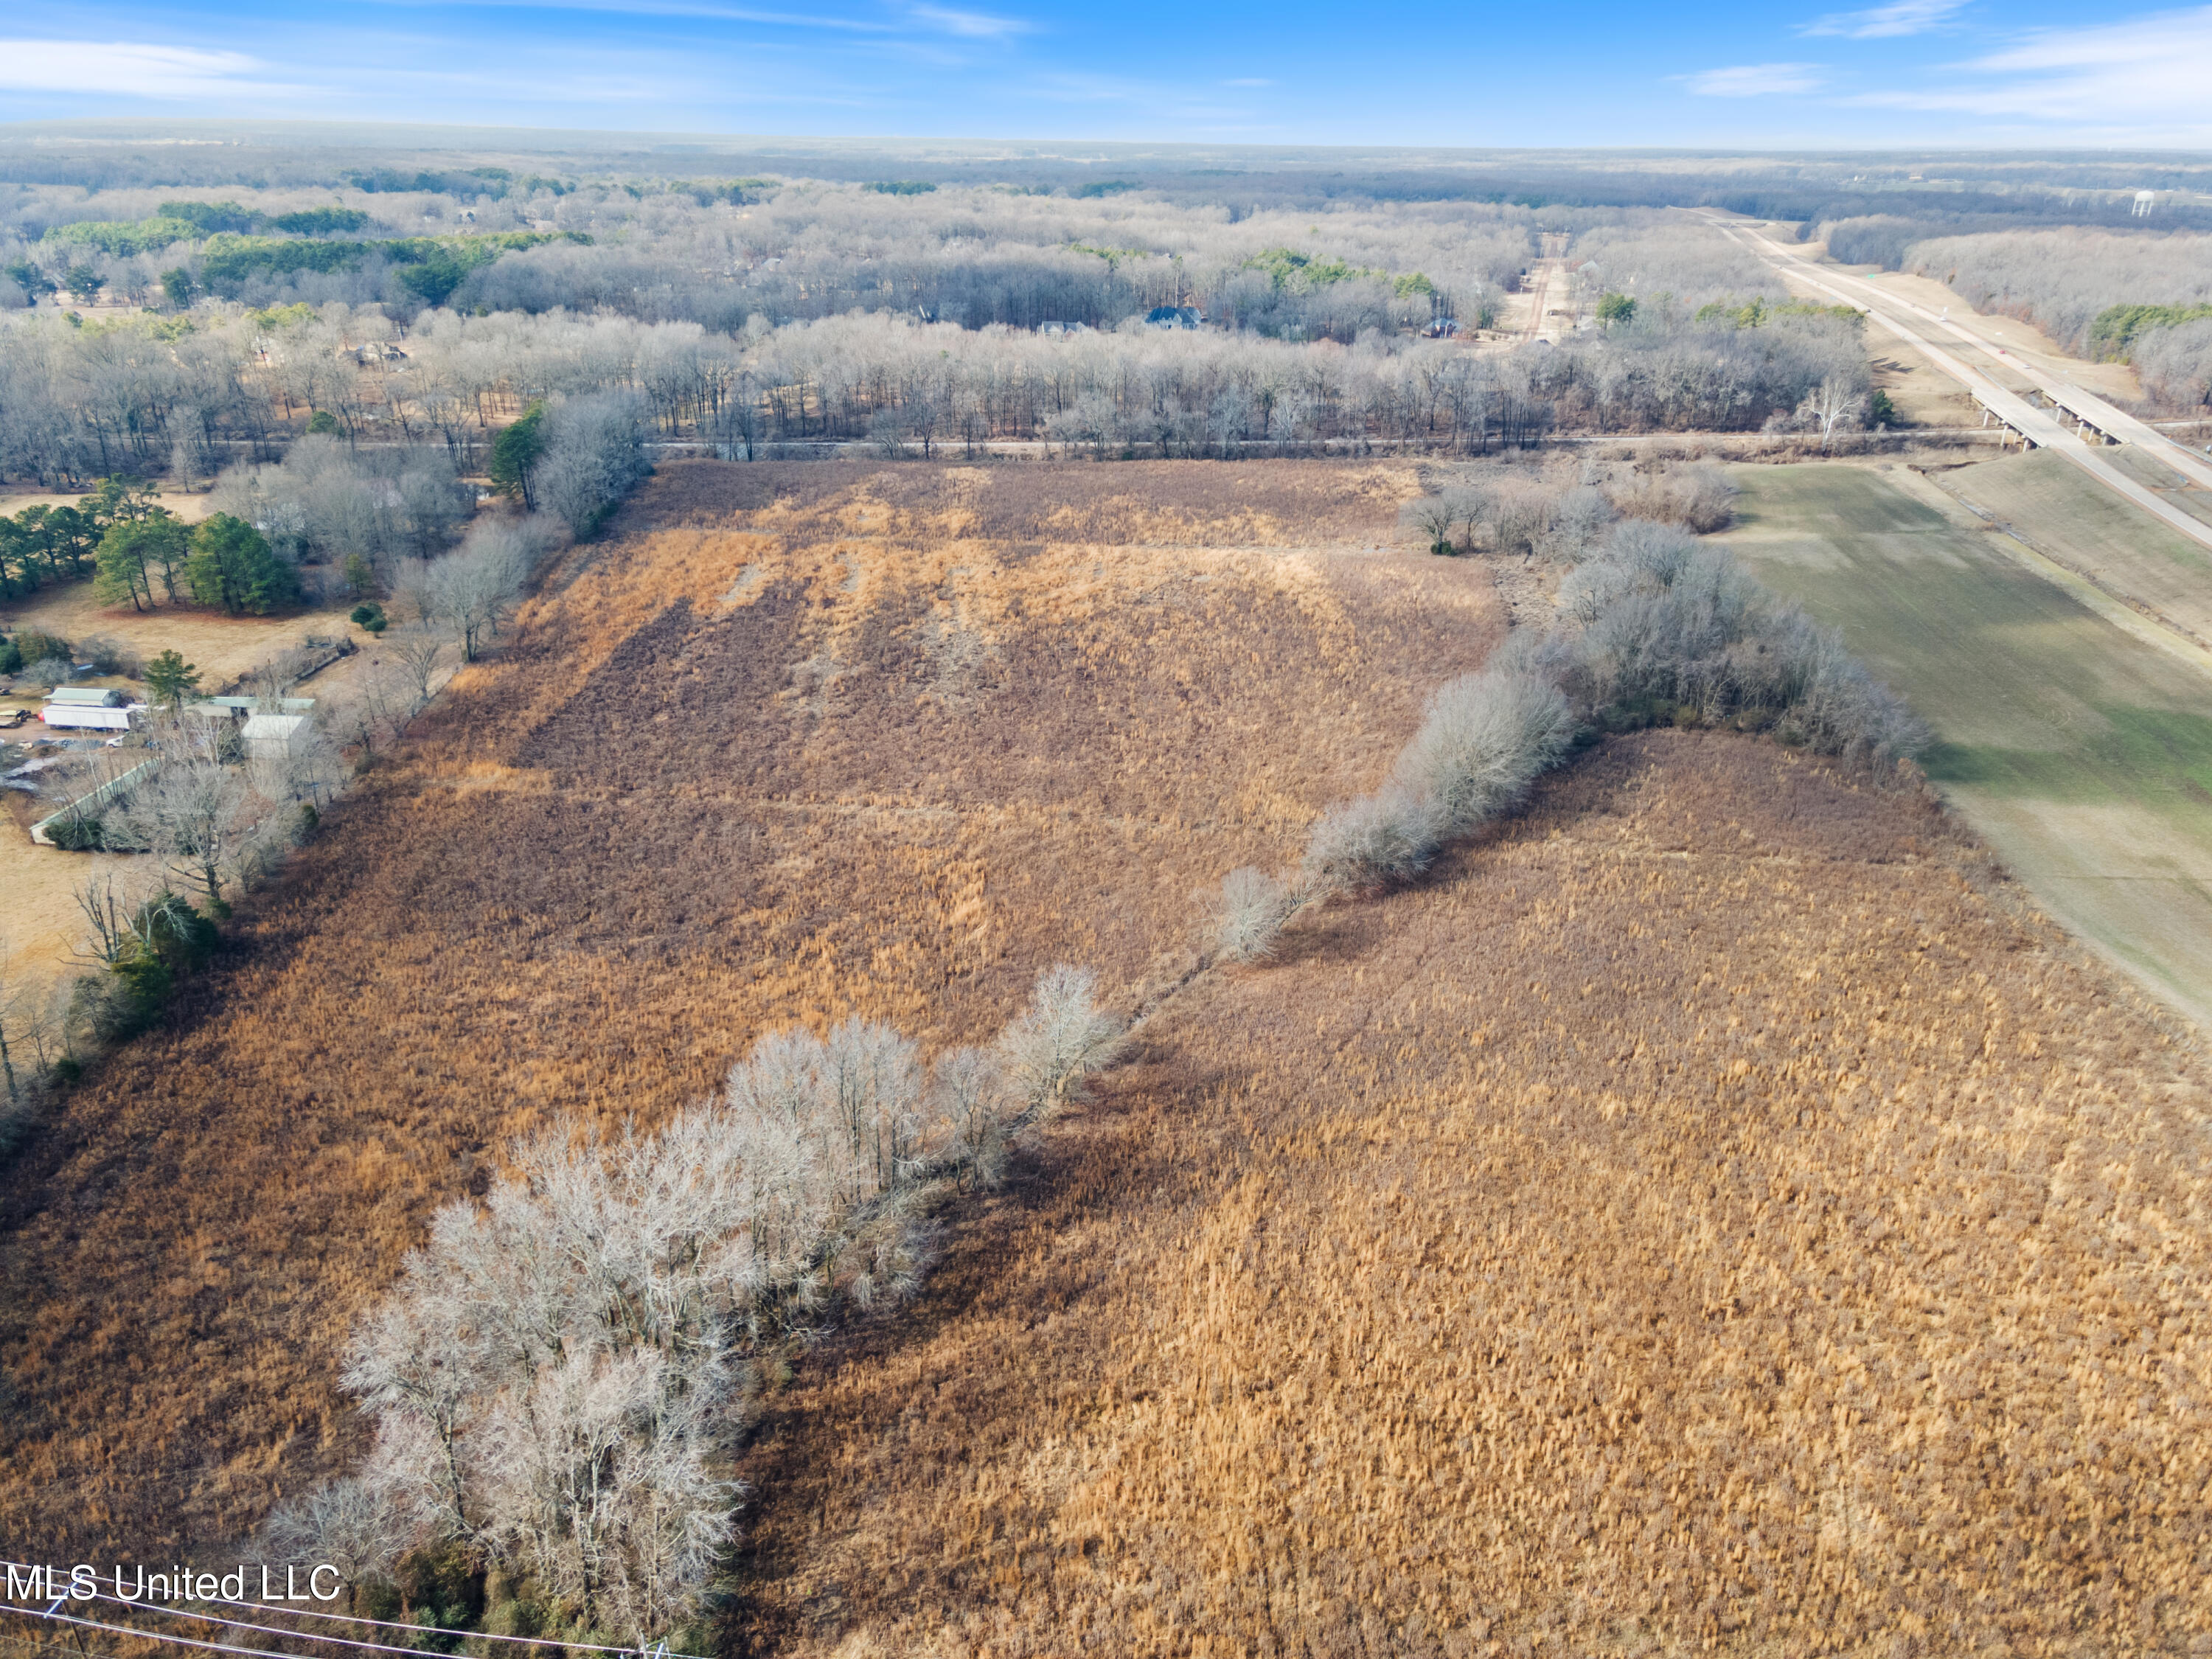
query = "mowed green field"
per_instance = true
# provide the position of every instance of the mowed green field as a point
(2074, 738)
(2069, 515)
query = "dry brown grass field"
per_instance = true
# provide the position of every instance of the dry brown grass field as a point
(1713, 1212)
(796, 741)
(1709, 1216)
(222, 647)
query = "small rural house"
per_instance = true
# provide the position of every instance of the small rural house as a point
(1173, 317)
(85, 696)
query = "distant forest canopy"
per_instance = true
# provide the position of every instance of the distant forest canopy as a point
(467, 165)
(723, 250)
(190, 308)
(913, 322)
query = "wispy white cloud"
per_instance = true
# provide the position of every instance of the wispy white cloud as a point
(1880, 22)
(2147, 74)
(1071, 87)
(130, 68)
(1755, 80)
(703, 10)
(975, 25)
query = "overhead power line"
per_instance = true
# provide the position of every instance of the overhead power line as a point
(59, 1617)
(275, 1630)
(659, 1650)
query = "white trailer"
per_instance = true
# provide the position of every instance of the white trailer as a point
(78, 717)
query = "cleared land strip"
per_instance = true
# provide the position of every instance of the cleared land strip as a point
(2010, 407)
(2132, 572)
(2075, 745)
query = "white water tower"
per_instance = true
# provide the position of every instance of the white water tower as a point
(2145, 201)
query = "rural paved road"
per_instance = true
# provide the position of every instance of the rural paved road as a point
(1548, 279)
(2038, 426)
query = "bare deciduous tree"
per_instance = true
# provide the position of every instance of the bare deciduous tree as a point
(1583, 518)
(1835, 405)
(1253, 907)
(351, 1524)
(1433, 518)
(475, 589)
(594, 456)
(1482, 742)
(419, 649)
(968, 1091)
(1390, 836)
(111, 910)
(1060, 1038)
(195, 813)
(10, 1020)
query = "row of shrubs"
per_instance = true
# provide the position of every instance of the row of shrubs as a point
(556, 1377)
(49, 659)
(1654, 626)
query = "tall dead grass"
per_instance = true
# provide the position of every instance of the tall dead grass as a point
(1706, 1217)
(822, 751)
(1703, 1215)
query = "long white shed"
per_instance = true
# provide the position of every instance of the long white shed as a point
(78, 717)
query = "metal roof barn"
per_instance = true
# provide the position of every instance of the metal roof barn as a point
(277, 737)
(252, 705)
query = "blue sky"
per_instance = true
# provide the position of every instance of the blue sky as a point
(1605, 72)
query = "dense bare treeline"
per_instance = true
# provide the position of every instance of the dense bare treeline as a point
(806, 311)
(2060, 280)
(1181, 395)
(808, 249)
(562, 1371)
(978, 256)
(1663, 263)
(2138, 294)
(77, 404)
(2176, 364)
